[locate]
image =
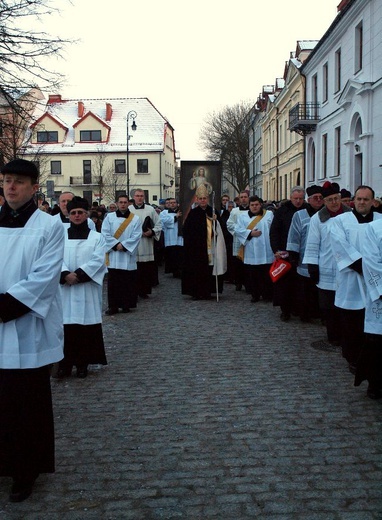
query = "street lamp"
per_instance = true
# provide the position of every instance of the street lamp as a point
(131, 115)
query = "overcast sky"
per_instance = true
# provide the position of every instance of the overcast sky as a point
(189, 58)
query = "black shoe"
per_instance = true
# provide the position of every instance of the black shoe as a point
(284, 316)
(64, 372)
(144, 296)
(254, 300)
(352, 368)
(373, 393)
(110, 312)
(239, 286)
(125, 310)
(21, 489)
(82, 372)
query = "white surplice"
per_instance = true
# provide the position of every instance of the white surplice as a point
(82, 302)
(257, 250)
(31, 274)
(130, 239)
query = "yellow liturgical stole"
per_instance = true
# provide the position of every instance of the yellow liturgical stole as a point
(209, 239)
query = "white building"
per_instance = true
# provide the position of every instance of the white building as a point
(100, 148)
(342, 115)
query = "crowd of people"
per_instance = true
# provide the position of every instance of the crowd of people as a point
(55, 263)
(329, 243)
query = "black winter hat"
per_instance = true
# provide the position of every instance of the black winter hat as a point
(77, 202)
(311, 190)
(330, 188)
(21, 167)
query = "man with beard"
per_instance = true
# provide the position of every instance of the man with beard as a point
(31, 331)
(285, 292)
(297, 235)
(252, 230)
(203, 262)
(347, 235)
(238, 266)
(122, 231)
(151, 230)
(81, 282)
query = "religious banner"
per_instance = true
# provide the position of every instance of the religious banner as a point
(192, 175)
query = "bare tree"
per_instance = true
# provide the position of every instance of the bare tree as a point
(15, 117)
(225, 137)
(24, 50)
(24, 54)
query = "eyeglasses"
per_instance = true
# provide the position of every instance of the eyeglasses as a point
(316, 197)
(331, 200)
(77, 212)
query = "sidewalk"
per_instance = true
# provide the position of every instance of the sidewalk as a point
(210, 410)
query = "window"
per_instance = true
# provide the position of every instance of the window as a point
(337, 77)
(119, 166)
(315, 95)
(314, 89)
(142, 166)
(88, 195)
(90, 135)
(337, 144)
(55, 168)
(119, 193)
(324, 156)
(312, 175)
(281, 188)
(358, 47)
(87, 172)
(325, 82)
(47, 137)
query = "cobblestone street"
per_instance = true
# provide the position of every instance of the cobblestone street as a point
(210, 410)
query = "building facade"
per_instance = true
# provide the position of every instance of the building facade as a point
(283, 150)
(342, 116)
(100, 148)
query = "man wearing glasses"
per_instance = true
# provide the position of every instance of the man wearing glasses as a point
(321, 263)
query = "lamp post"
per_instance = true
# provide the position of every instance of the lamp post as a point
(131, 115)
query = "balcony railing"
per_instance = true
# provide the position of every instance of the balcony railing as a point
(80, 180)
(304, 117)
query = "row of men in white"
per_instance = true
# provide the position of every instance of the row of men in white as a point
(341, 249)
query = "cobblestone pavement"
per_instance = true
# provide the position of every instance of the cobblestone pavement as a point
(210, 410)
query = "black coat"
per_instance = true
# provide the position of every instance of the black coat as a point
(280, 225)
(197, 277)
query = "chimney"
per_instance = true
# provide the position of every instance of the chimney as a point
(109, 111)
(81, 109)
(342, 4)
(54, 98)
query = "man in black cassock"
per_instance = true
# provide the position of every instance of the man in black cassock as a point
(198, 274)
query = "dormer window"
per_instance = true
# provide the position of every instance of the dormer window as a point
(47, 137)
(90, 135)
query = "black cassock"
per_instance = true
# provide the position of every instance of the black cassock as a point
(197, 278)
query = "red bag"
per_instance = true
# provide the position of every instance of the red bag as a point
(278, 269)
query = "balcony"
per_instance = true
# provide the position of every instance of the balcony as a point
(82, 181)
(304, 117)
